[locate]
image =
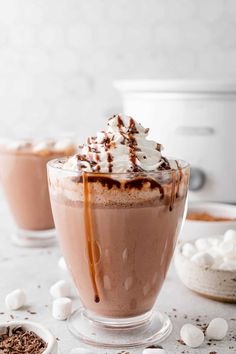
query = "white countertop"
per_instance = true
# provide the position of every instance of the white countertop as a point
(36, 270)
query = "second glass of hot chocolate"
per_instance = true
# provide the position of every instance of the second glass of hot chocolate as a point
(23, 176)
(118, 208)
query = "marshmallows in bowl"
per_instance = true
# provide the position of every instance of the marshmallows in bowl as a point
(217, 252)
(208, 266)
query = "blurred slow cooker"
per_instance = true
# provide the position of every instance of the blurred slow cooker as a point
(194, 120)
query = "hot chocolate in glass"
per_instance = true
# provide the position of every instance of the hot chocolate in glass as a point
(118, 207)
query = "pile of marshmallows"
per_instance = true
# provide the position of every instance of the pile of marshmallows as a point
(60, 291)
(213, 252)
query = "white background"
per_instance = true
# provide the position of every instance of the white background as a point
(58, 58)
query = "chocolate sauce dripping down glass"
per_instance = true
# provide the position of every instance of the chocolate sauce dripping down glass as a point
(89, 236)
(172, 198)
(180, 176)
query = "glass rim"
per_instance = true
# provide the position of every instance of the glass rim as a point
(53, 164)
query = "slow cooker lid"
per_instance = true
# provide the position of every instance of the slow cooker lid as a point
(178, 85)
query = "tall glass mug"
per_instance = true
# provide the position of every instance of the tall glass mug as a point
(23, 175)
(118, 234)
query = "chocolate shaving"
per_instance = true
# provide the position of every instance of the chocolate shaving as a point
(32, 312)
(154, 346)
(21, 342)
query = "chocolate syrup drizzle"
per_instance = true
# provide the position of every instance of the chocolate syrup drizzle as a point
(131, 142)
(128, 140)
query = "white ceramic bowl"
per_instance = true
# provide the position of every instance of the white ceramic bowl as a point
(215, 284)
(196, 229)
(37, 328)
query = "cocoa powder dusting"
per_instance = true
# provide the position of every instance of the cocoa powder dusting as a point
(206, 217)
(21, 341)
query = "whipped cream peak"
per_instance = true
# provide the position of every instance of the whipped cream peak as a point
(122, 147)
(125, 124)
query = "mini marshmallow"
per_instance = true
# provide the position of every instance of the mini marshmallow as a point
(217, 262)
(188, 250)
(60, 289)
(217, 329)
(62, 264)
(41, 146)
(228, 249)
(16, 145)
(214, 241)
(16, 299)
(191, 335)
(227, 264)
(230, 235)
(81, 351)
(61, 308)
(202, 244)
(63, 144)
(214, 252)
(154, 351)
(203, 259)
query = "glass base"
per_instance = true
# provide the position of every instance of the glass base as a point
(151, 328)
(26, 238)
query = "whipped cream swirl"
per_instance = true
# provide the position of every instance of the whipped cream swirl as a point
(122, 147)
